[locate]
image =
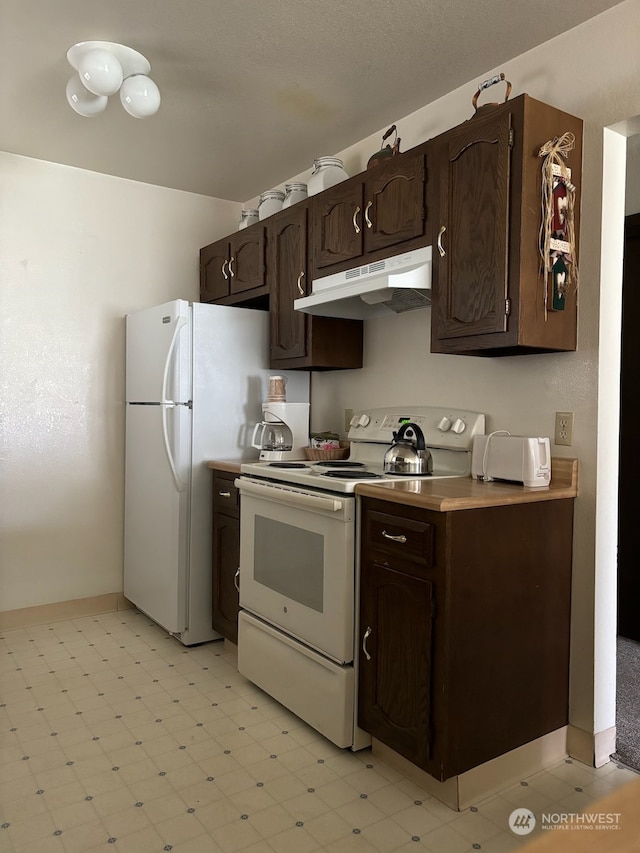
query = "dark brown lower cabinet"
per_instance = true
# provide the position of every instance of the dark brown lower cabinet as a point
(395, 686)
(226, 554)
(464, 629)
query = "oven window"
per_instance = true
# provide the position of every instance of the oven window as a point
(289, 560)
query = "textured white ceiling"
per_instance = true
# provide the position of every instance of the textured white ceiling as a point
(252, 90)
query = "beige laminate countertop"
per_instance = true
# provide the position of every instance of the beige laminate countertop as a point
(465, 493)
(231, 466)
(458, 492)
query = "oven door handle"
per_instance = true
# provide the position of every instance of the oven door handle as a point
(288, 496)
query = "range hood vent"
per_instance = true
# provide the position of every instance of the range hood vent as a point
(358, 272)
(391, 286)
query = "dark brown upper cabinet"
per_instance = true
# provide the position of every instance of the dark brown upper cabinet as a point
(375, 214)
(232, 270)
(474, 193)
(299, 340)
(488, 288)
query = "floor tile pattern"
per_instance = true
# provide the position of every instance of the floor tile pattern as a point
(117, 739)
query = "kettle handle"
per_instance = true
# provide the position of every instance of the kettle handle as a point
(420, 443)
(254, 443)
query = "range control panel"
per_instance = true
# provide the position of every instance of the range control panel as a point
(442, 427)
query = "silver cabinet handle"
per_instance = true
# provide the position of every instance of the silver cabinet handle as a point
(440, 246)
(231, 272)
(366, 215)
(236, 580)
(356, 227)
(396, 537)
(225, 264)
(225, 494)
(364, 643)
(300, 287)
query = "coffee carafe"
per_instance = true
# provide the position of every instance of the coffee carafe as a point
(273, 439)
(283, 432)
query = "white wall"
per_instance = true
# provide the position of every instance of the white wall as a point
(78, 250)
(593, 72)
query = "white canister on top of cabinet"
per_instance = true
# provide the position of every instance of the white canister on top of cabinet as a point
(270, 202)
(327, 172)
(248, 217)
(293, 193)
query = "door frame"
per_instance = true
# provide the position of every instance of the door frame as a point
(608, 425)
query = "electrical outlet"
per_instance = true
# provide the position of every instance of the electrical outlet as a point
(564, 428)
(348, 414)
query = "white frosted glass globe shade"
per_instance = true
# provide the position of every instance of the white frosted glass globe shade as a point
(140, 96)
(84, 102)
(100, 72)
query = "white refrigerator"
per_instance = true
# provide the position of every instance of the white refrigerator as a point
(196, 375)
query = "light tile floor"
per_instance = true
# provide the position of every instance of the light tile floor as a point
(117, 738)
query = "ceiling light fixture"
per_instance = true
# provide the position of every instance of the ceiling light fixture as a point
(103, 69)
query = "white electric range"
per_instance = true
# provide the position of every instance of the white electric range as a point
(298, 567)
(448, 435)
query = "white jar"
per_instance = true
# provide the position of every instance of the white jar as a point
(294, 193)
(270, 202)
(247, 217)
(327, 171)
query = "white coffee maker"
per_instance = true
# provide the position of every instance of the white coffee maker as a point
(283, 432)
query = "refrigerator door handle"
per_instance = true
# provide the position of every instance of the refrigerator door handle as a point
(167, 404)
(179, 483)
(180, 324)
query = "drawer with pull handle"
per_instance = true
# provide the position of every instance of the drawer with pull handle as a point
(405, 539)
(225, 493)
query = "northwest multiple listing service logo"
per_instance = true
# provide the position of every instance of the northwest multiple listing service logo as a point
(523, 821)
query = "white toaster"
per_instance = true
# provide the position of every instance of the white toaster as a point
(515, 458)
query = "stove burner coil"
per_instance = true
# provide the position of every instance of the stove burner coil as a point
(353, 475)
(407, 475)
(287, 465)
(339, 463)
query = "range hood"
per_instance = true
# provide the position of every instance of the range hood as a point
(391, 286)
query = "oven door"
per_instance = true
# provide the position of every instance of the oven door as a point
(297, 563)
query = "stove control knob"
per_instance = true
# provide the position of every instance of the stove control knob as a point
(444, 424)
(458, 426)
(364, 420)
(354, 421)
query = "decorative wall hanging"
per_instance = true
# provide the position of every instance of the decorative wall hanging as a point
(557, 228)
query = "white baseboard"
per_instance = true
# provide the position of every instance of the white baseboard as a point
(468, 788)
(594, 749)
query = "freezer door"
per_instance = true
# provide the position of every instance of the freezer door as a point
(158, 357)
(156, 536)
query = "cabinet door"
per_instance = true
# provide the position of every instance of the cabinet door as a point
(287, 265)
(394, 208)
(338, 224)
(394, 688)
(246, 261)
(214, 271)
(226, 560)
(473, 240)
